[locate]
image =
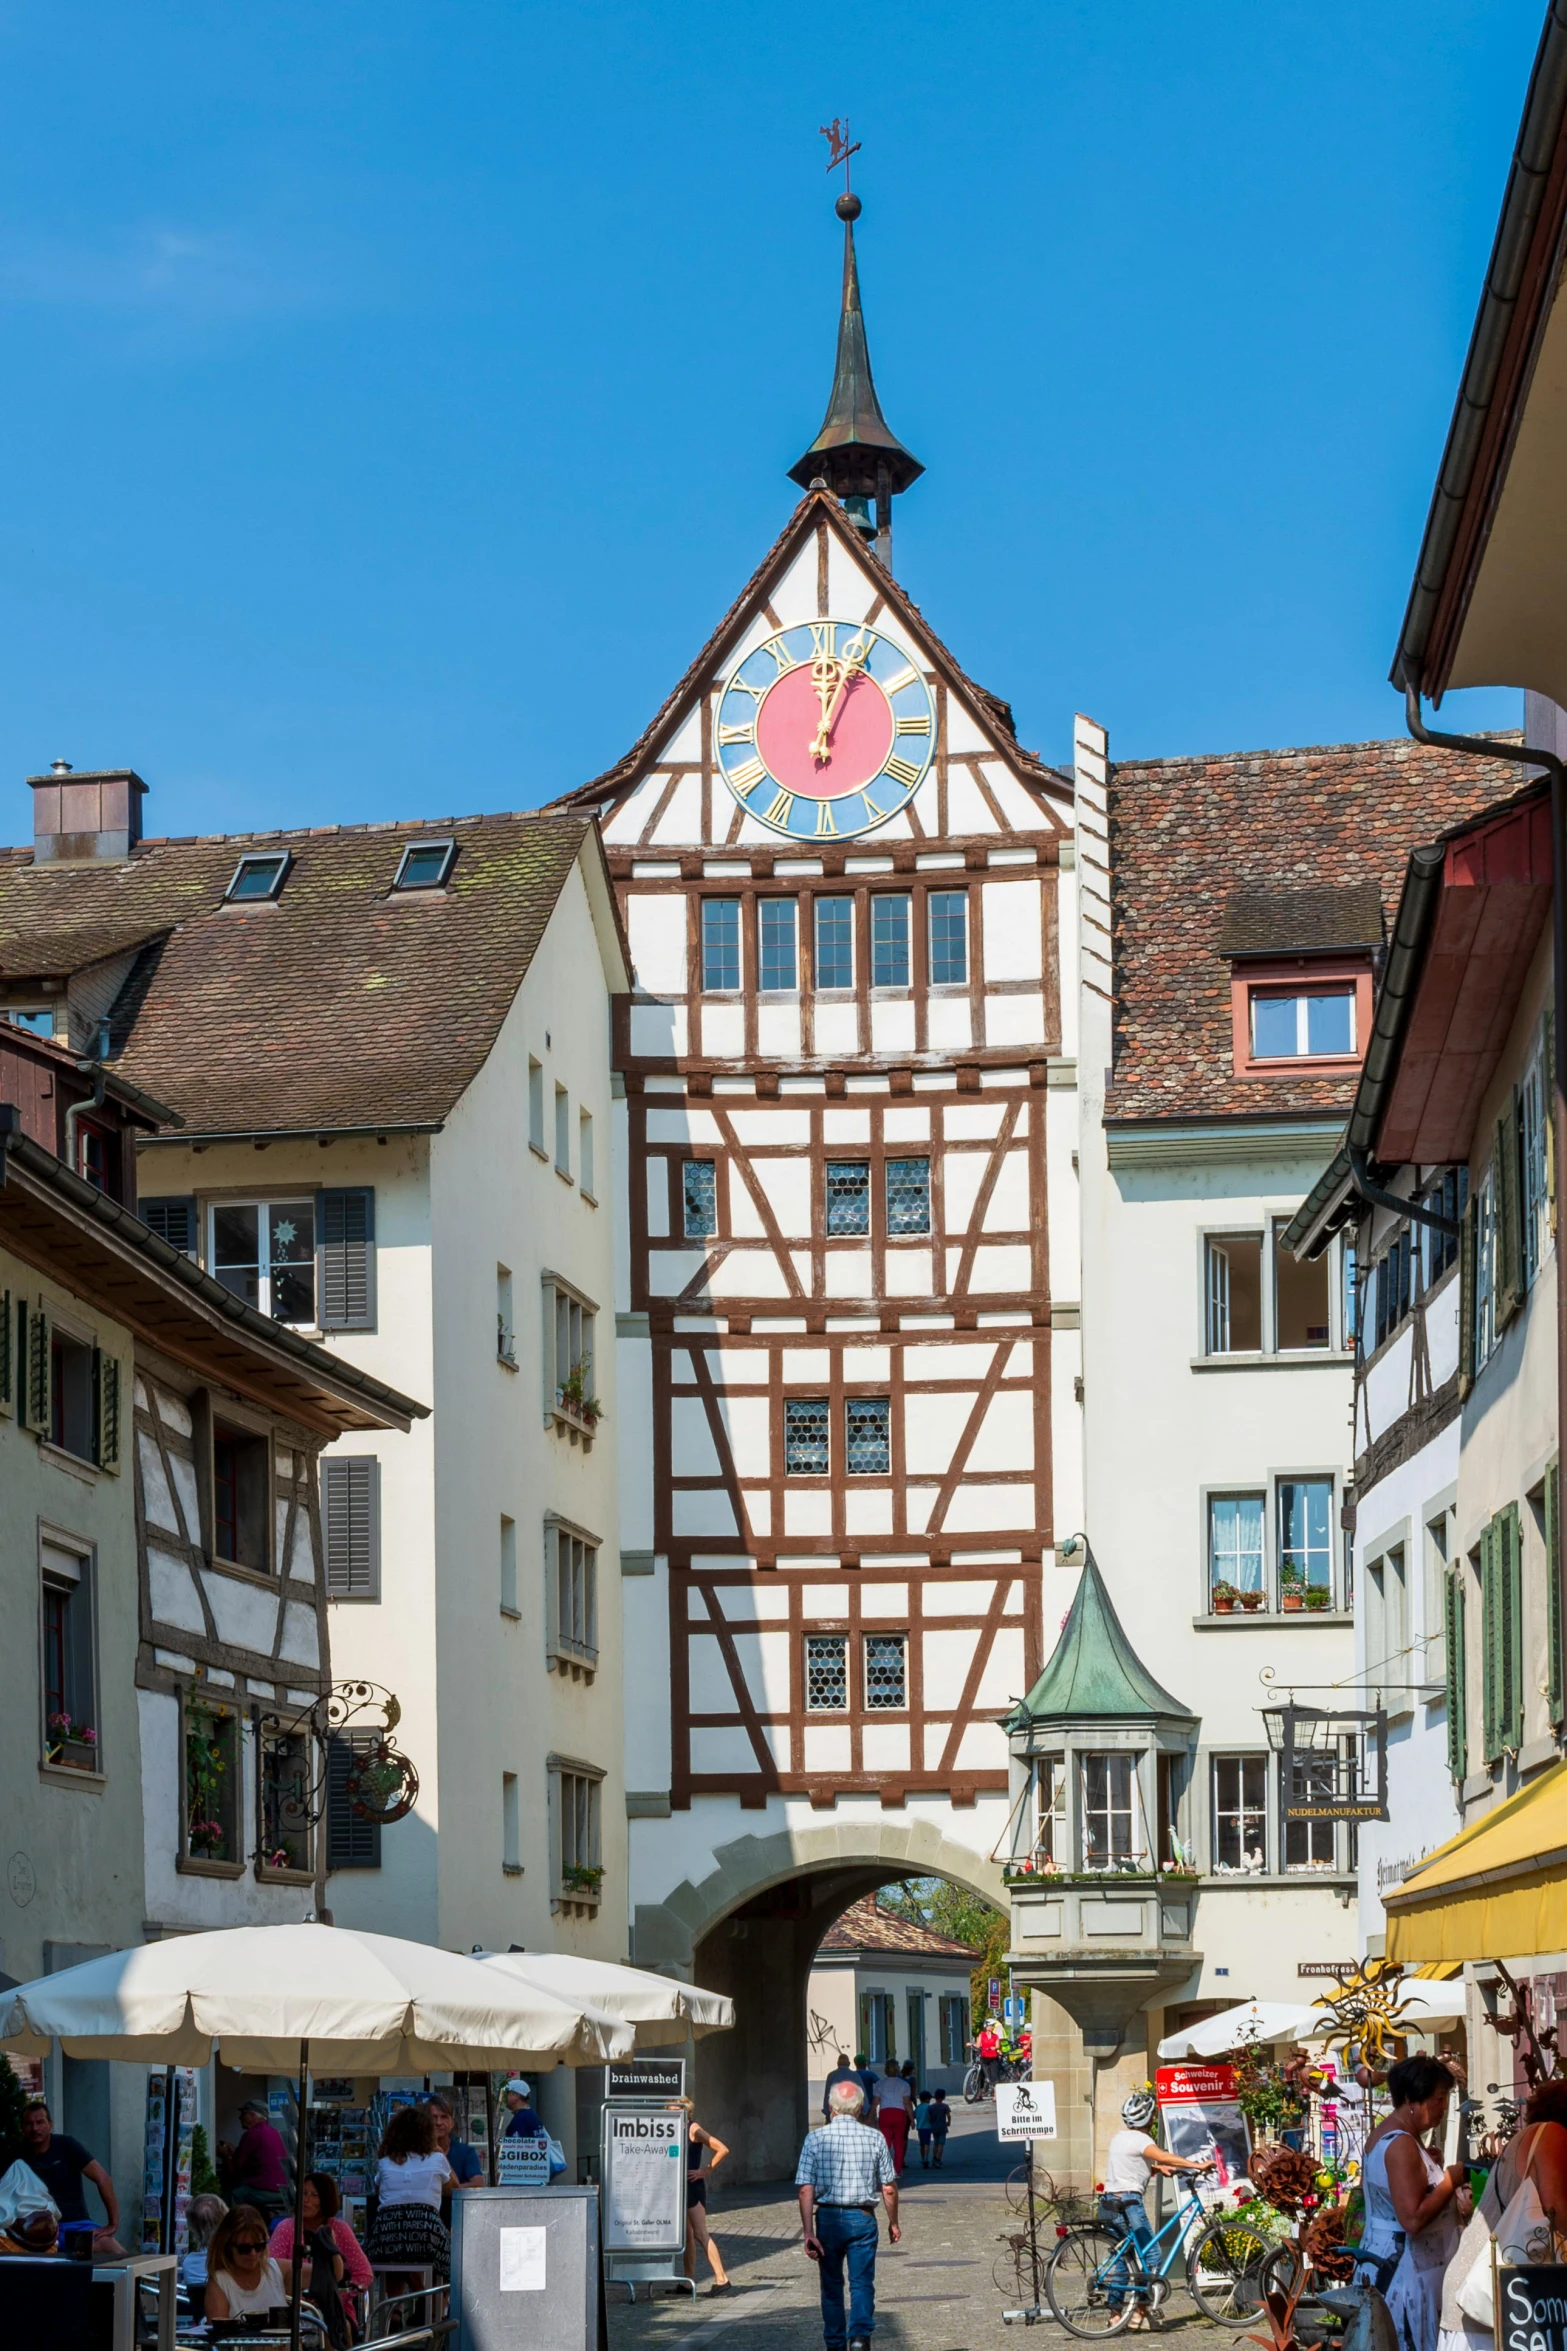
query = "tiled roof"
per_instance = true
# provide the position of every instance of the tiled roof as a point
(865, 1926)
(339, 1004)
(1344, 916)
(1186, 835)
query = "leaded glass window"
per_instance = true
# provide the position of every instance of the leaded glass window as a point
(908, 1196)
(826, 1673)
(848, 1196)
(699, 1183)
(889, 941)
(886, 1673)
(948, 938)
(720, 943)
(775, 943)
(807, 1440)
(835, 942)
(867, 1438)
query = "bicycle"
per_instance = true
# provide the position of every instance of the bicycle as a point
(1095, 2279)
(976, 2087)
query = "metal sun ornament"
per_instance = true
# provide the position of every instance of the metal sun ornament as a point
(1368, 2006)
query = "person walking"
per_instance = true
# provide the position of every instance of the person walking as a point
(1414, 2208)
(62, 2163)
(1131, 2156)
(894, 2098)
(843, 2071)
(843, 2168)
(869, 2080)
(697, 2231)
(940, 2124)
(988, 2048)
(922, 2126)
(524, 2123)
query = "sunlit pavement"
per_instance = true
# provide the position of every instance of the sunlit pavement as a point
(934, 2292)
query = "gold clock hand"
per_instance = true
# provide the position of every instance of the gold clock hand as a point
(821, 749)
(825, 678)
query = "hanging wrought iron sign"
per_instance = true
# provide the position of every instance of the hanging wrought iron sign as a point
(381, 1784)
(342, 1740)
(1333, 1761)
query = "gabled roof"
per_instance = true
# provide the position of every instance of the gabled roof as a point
(865, 1926)
(819, 506)
(339, 1005)
(1094, 1671)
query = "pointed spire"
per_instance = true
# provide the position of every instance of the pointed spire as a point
(856, 453)
(1094, 1671)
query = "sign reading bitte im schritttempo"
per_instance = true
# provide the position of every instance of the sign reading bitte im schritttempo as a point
(645, 2077)
(1027, 2110)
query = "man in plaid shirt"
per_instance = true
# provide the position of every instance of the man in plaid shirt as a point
(842, 2171)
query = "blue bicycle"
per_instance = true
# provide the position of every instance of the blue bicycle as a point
(1096, 2279)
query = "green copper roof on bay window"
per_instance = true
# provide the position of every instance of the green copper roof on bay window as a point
(1094, 1673)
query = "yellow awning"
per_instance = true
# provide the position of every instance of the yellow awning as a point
(1498, 1890)
(1440, 1971)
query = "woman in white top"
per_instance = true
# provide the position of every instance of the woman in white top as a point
(1414, 2209)
(410, 2174)
(243, 2280)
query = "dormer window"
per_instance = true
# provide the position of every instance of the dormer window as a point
(257, 877)
(425, 865)
(1301, 965)
(37, 1019)
(1302, 1024)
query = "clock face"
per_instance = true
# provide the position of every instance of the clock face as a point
(825, 730)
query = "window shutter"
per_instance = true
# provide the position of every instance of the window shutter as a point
(1555, 1678)
(1490, 1645)
(106, 1409)
(1466, 1299)
(1504, 1189)
(1548, 1106)
(351, 1523)
(351, 1843)
(1510, 1564)
(173, 1219)
(345, 1259)
(1457, 1689)
(36, 1369)
(7, 1353)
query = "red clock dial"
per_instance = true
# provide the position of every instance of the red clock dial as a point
(800, 716)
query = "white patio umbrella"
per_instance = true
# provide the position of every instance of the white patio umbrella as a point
(1232, 2028)
(270, 1998)
(659, 2008)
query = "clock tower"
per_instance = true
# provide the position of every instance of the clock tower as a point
(846, 1313)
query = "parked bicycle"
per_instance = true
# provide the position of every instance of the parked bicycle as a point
(976, 2087)
(1095, 2279)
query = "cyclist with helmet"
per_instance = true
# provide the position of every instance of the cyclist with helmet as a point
(1132, 2155)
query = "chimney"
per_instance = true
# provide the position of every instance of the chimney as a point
(95, 815)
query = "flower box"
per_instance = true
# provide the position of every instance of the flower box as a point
(1292, 1599)
(1251, 1602)
(1224, 1607)
(75, 1754)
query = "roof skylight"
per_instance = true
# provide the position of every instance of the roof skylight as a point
(425, 865)
(258, 875)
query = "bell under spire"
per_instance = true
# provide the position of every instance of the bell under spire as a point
(856, 453)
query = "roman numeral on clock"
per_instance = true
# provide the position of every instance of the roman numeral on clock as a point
(824, 639)
(825, 820)
(779, 811)
(780, 653)
(902, 771)
(906, 677)
(743, 777)
(914, 726)
(745, 734)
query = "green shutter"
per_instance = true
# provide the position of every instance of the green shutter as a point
(106, 1409)
(1555, 1678)
(1509, 1228)
(1548, 1107)
(1510, 1688)
(1466, 1298)
(1457, 1662)
(1490, 1645)
(36, 1369)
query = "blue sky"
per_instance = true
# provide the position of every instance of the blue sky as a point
(395, 395)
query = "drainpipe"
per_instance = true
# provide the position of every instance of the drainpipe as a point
(79, 1110)
(1523, 755)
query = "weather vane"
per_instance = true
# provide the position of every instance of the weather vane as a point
(836, 133)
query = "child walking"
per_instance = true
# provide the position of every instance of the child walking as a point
(922, 2126)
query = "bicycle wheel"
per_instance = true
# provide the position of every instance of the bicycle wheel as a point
(974, 2085)
(1045, 2198)
(1013, 2270)
(1080, 2288)
(1224, 2271)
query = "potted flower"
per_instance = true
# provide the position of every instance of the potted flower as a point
(1224, 1598)
(1292, 1590)
(206, 1839)
(581, 1877)
(574, 1395)
(1318, 1597)
(72, 1744)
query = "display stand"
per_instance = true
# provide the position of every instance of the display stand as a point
(642, 2169)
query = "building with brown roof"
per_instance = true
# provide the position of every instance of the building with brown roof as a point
(388, 1048)
(889, 1987)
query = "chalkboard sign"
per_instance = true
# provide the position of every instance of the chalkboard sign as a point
(1533, 2313)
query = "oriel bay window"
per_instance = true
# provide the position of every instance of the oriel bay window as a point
(1103, 1809)
(1112, 1837)
(1052, 1839)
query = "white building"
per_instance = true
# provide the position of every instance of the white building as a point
(389, 1046)
(848, 1301)
(894, 1990)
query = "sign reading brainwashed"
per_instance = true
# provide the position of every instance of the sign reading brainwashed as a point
(1200, 2109)
(523, 2163)
(645, 2077)
(1025, 2110)
(1533, 2313)
(644, 2179)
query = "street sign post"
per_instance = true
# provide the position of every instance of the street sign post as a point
(1025, 2111)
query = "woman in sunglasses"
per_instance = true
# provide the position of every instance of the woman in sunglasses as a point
(243, 2279)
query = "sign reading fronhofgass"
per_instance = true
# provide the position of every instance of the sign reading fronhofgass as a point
(645, 2077)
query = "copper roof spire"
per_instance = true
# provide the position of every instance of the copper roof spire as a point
(856, 453)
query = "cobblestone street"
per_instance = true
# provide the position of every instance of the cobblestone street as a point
(934, 2292)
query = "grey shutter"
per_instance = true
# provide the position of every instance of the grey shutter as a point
(1555, 1678)
(1457, 1685)
(106, 1409)
(173, 1218)
(1508, 1219)
(351, 1525)
(345, 1259)
(350, 1843)
(1466, 1299)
